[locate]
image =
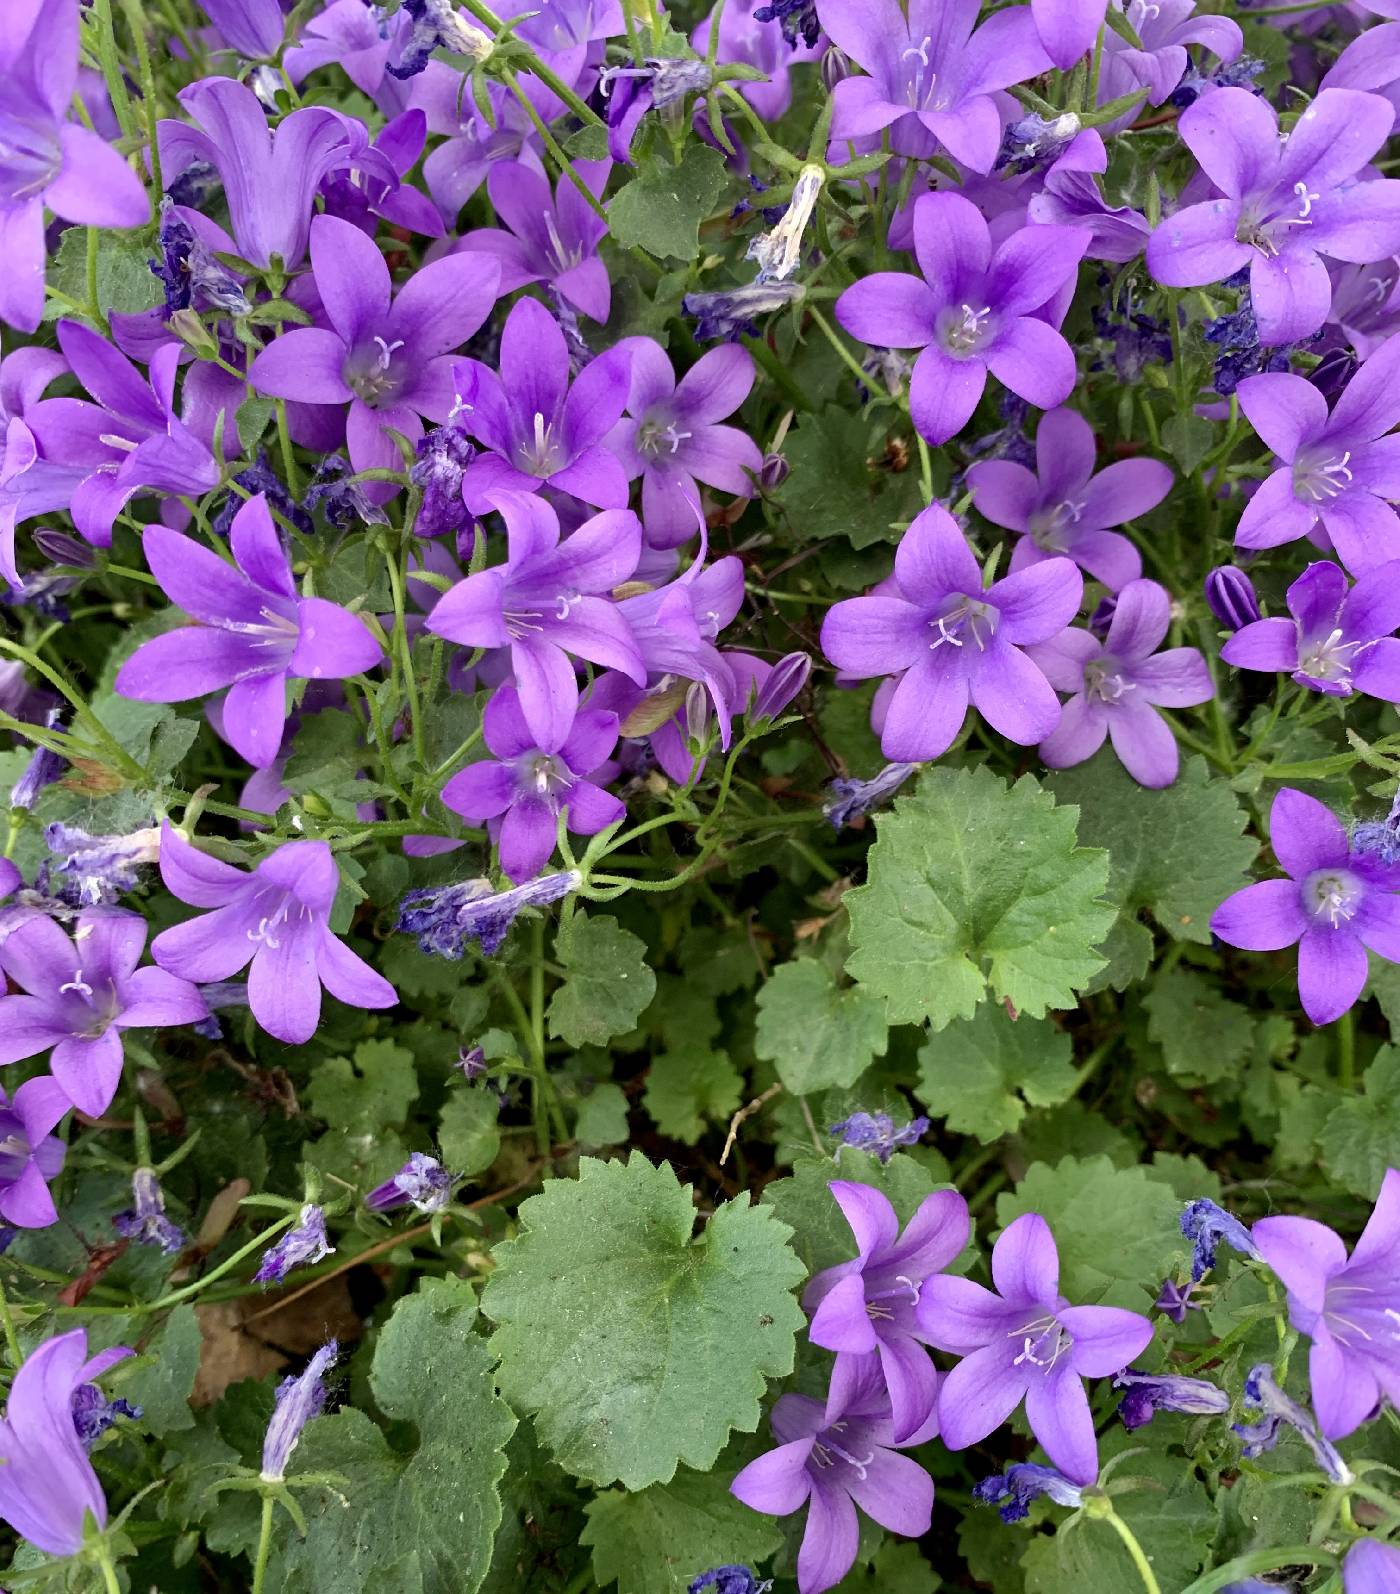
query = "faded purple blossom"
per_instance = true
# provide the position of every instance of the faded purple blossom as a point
(1145, 1394)
(96, 871)
(728, 1580)
(1263, 1394)
(1208, 1226)
(145, 1221)
(443, 456)
(632, 91)
(1013, 1491)
(192, 276)
(300, 1246)
(445, 918)
(44, 768)
(422, 1183)
(299, 1399)
(876, 1133)
(852, 799)
(94, 1414)
(31, 1155)
(726, 314)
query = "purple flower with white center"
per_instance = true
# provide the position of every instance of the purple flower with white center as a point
(422, 1183)
(970, 312)
(728, 1580)
(1065, 507)
(445, 918)
(932, 77)
(1371, 1567)
(47, 1485)
(1145, 1394)
(443, 456)
(1012, 1491)
(1338, 641)
(671, 435)
(537, 428)
(94, 1414)
(1339, 468)
(298, 1247)
(1283, 203)
(1231, 598)
(1262, 1393)
(854, 799)
(950, 643)
(875, 1132)
(1349, 1306)
(299, 1399)
(632, 91)
(145, 1221)
(253, 633)
(1165, 28)
(472, 1061)
(525, 789)
(95, 871)
(864, 1309)
(1207, 1226)
(78, 995)
(1118, 685)
(552, 238)
(545, 604)
(1071, 198)
(833, 1463)
(385, 355)
(1174, 1300)
(276, 918)
(1026, 1342)
(1336, 902)
(725, 314)
(46, 159)
(31, 1155)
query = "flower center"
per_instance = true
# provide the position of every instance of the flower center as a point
(1333, 894)
(963, 620)
(1318, 480)
(965, 329)
(826, 1451)
(875, 1307)
(1105, 682)
(541, 454)
(653, 438)
(1048, 527)
(1261, 230)
(544, 776)
(89, 1013)
(30, 159)
(1043, 1342)
(1327, 660)
(1351, 1315)
(921, 81)
(372, 373)
(560, 258)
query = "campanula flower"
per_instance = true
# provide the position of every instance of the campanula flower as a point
(1012, 1491)
(1145, 1394)
(1208, 1226)
(1371, 1567)
(31, 1155)
(422, 1183)
(298, 1247)
(145, 1221)
(1231, 598)
(728, 1580)
(274, 917)
(253, 27)
(1262, 1393)
(1349, 1306)
(951, 644)
(853, 799)
(1335, 903)
(726, 314)
(1174, 1300)
(1070, 197)
(632, 91)
(299, 1399)
(875, 1132)
(1026, 1342)
(445, 918)
(1165, 28)
(96, 871)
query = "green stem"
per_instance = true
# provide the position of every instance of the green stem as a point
(257, 1243)
(111, 66)
(398, 576)
(847, 358)
(1346, 1052)
(561, 160)
(1134, 1549)
(11, 1338)
(109, 1572)
(122, 759)
(135, 23)
(264, 1544)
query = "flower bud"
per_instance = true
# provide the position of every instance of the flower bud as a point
(193, 333)
(772, 473)
(1102, 617)
(697, 716)
(1230, 595)
(836, 68)
(62, 548)
(786, 679)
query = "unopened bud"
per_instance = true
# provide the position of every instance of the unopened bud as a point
(773, 472)
(1231, 597)
(836, 68)
(786, 679)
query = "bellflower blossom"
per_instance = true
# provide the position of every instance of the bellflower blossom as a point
(971, 312)
(1026, 1342)
(445, 918)
(1164, 29)
(949, 643)
(1337, 641)
(1145, 1394)
(1371, 1567)
(48, 159)
(1118, 684)
(875, 1132)
(253, 633)
(47, 1485)
(145, 1221)
(1174, 1300)
(422, 1183)
(1070, 197)
(31, 1155)
(1012, 1491)
(1065, 507)
(632, 91)
(1335, 904)
(864, 1309)
(1339, 468)
(78, 995)
(853, 799)
(274, 917)
(300, 1246)
(524, 789)
(728, 1580)
(1283, 203)
(1262, 1393)
(1207, 1226)
(299, 1399)
(252, 27)
(1349, 1306)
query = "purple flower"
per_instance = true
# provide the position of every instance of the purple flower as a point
(1145, 1394)
(538, 429)
(1165, 28)
(79, 995)
(932, 78)
(443, 456)
(44, 768)
(725, 314)
(1335, 903)
(445, 918)
(1262, 1393)
(340, 497)
(456, 168)
(1026, 1342)
(832, 1463)
(1174, 1300)
(1339, 468)
(875, 1132)
(545, 604)
(360, 39)
(191, 274)
(422, 1183)
(1370, 62)
(1371, 1568)
(1283, 203)
(1348, 1306)
(1231, 598)
(671, 436)
(1338, 641)
(728, 1580)
(472, 1061)
(744, 36)
(1065, 507)
(1013, 1491)
(1207, 1226)
(525, 791)
(775, 689)
(298, 1247)
(31, 1156)
(632, 91)
(46, 159)
(1070, 197)
(275, 917)
(1119, 683)
(95, 871)
(144, 1220)
(553, 238)
(253, 633)
(253, 27)
(951, 644)
(360, 193)
(47, 1485)
(864, 1309)
(853, 799)
(299, 1399)
(971, 312)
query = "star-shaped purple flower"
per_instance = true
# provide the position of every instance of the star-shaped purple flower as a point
(31, 1155)
(1335, 903)
(951, 644)
(1026, 1342)
(1165, 28)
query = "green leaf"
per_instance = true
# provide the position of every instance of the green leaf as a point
(814, 1034)
(468, 1132)
(607, 983)
(1188, 439)
(982, 1073)
(251, 419)
(125, 281)
(1361, 1137)
(431, 1502)
(657, 1541)
(376, 1089)
(588, 144)
(661, 209)
(898, 1568)
(634, 1345)
(163, 1389)
(972, 882)
(602, 1116)
(837, 487)
(686, 1088)
(1204, 1037)
(1117, 1229)
(1174, 854)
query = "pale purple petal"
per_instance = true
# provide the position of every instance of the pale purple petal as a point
(1265, 917)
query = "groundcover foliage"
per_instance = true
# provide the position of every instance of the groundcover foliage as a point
(702, 881)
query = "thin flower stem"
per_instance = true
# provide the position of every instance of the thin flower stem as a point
(110, 63)
(847, 358)
(537, 68)
(11, 1338)
(457, 754)
(561, 160)
(264, 1544)
(398, 576)
(1134, 1549)
(123, 760)
(103, 1556)
(257, 1243)
(134, 22)
(1346, 1052)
